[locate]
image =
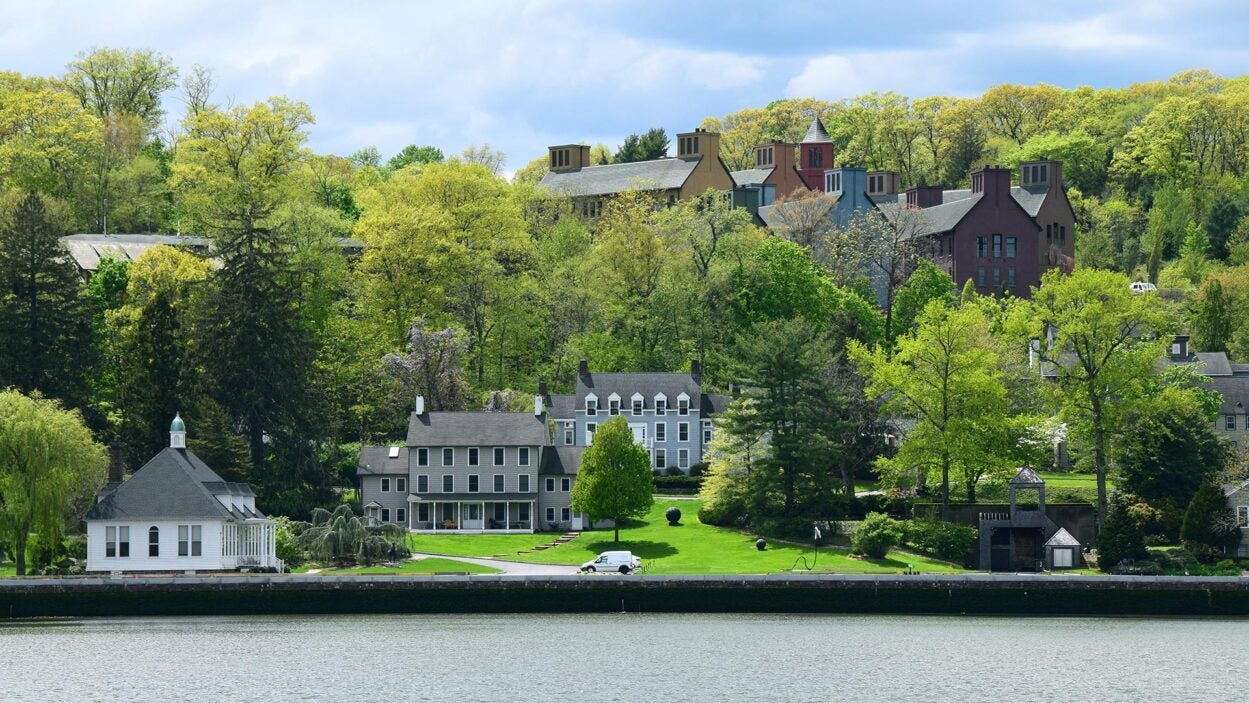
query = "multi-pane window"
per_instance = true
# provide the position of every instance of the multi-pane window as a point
(1242, 516)
(385, 485)
(448, 484)
(661, 458)
(661, 406)
(422, 483)
(565, 484)
(683, 406)
(815, 157)
(401, 516)
(523, 512)
(117, 541)
(591, 406)
(661, 432)
(980, 277)
(385, 514)
(550, 514)
(683, 431)
(980, 247)
(637, 406)
(448, 456)
(1010, 277)
(499, 455)
(401, 485)
(569, 435)
(474, 456)
(832, 182)
(422, 456)
(613, 406)
(422, 512)
(997, 276)
(522, 456)
(153, 542)
(1010, 247)
(706, 433)
(997, 246)
(498, 483)
(683, 458)
(524, 483)
(590, 428)
(473, 483)
(1229, 422)
(190, 540)
(564, 514)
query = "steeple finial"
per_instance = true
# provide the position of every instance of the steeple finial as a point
(177, 432)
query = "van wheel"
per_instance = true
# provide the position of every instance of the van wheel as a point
(589, 569)
(624, 570)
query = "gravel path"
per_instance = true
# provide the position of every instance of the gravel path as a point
(507, 567)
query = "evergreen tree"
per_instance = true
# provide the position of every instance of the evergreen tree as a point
(1212, 318)
(651, 145)
(45, 330)
(1220, 222)
(1120, 538)
(1209, 529)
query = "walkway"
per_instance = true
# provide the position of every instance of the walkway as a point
(507, 567)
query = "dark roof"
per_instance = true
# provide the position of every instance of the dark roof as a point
(1214, 364)
(1235, 390)
(1029, 198)
(648, 385)
(713, 403)
(1240, 369)
(1026, 477)
(174, 484)
(1062, 538)
(561, 460)
(816, 133)
(88, 249)
(751, 175)
(483, 497)
(471, 429)
(377, 460)
(562, 406)
(929, 220)
(659, 174)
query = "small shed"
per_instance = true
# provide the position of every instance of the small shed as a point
(1062, 551)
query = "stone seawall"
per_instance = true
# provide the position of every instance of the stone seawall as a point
(785, 593)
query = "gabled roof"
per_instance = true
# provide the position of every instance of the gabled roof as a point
(559, 461)
(659, 174)
(562, 406)
(174, 484)
(1062, 538)
(1029, 198)
(473, 429)
(816, 133)
(1235, 392)
(377, 460)
(929, 220)
(649, 385)
(1214, 364)
(713, 403)
(751, 175)
(87, 249)
(1026, 477)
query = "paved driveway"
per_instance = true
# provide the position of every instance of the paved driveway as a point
(508, 567)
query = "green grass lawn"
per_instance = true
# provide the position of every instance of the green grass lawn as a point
(8, 568)
(430, 565)
(1065, 480)
(691, 548)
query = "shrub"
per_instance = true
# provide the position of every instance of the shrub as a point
(944, 540)
(876, 535)
(1120, 539)
(675, 471)
(286, 542)
(680, 484)
(1209, 529)
(790, 528)
(721, 513)
(698, 469)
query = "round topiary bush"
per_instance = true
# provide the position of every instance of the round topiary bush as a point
(761, 544)
(876, 535)
(674, 516)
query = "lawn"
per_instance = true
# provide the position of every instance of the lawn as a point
(478, 545)
(691, 548)
(430, 565)
(8, 568)
(1065, 480)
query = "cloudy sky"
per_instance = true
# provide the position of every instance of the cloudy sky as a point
(522, 75)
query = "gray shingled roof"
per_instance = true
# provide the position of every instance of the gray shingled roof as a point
(563, 460)
(1026, 477)
(376, 461)
(714, 403)
(471, 429)
(751, 175)
(172, 485)
(1235, 389)
(88, 249)
(1214, 363)
(1239, 369)
(929, 220)
(660, 174)
(1062, 538)
(1029, 198)
(649, 385)
(816, 133)
(562, 406)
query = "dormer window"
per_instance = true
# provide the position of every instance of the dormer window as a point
(613, 405)
(661, 404)
(560, 158)
(832, 182)
(636, 402)
(683, 404)
(591, 405)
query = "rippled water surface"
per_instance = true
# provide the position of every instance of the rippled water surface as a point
(469, 658)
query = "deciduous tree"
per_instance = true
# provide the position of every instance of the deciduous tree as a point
(614, 481)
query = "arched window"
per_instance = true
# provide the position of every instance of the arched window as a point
(153, 542)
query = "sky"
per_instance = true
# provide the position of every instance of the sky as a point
(524, 75)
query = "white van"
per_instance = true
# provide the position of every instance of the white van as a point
(1142, 286)
(624, 562)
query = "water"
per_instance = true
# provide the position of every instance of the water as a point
(469, 658)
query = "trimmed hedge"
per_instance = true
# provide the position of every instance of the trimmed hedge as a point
(677, 485)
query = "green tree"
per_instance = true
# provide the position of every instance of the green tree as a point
(653, 144)
(876, 535)
(1211, 320)
(1193, 253)
(925, 284)
(1220, 223)
(1106, 343)
(113, 82)
(1120, 538)
(1209, 529)
(413, 154)
(614, 481)
(1167, 447)
(45, 331)
(946, 377)
(50, 468)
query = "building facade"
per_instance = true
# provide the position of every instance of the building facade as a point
(176, 514)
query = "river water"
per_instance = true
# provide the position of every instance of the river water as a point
(627, 657)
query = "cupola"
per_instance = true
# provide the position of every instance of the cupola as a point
(177, 432)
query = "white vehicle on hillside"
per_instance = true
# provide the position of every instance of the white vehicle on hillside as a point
(607, 562)
(1142, 286)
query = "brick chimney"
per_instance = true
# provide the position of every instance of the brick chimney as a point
(696, 368)
(924, 196)
(993, 182)
(583, 368)
(1042, 174)
(542, 388)
(775, 154)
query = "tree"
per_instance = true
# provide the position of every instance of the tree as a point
(1211, 320)
(1106, 342)
(1120, 538)
(614, 481)
(433, 368)
(413, 154)
(50, 468)
(651, 145)
(887, 242)
(925, 284)
(345, 538)
(111, 82)
(804, 217)
(1220, 223)
(1209, 529)
(946, 378)
(876, 535)
(492, 160)
(1193, 253)
(45, 332)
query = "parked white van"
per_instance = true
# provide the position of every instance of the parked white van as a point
(624, 562)
(1142, 286)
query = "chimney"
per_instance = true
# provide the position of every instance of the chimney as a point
(420, 405)
(924, 196)
(583, 368)
(696, 368)
(1179, 348)
(114, 462)
(542, 388)
(569, 157)
(991, 181)
(882, 183)
(697, 144)
(1042, 174)
(537, 405)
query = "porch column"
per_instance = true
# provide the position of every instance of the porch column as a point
(433, 516)
(482, 515)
